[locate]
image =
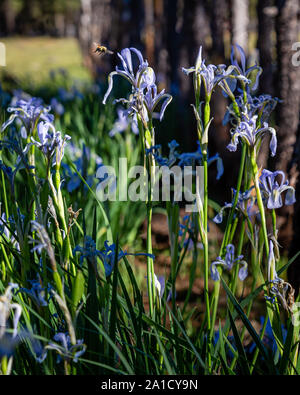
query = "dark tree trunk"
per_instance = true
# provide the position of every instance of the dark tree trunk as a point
(288, 88)
(161, 53)
(113, 23)
(294, 269)
(149, 31)
(95, 26)
(8, 15)
(173, 41)
(219, 134)
(265, 45)
(25, 20)
(219, 19)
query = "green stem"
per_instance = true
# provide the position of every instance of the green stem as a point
(205, 238)
(260, 204)
(216, 291)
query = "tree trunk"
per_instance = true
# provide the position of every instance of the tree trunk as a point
(294, 269)
(8, 16)
(265, 45)
(219, 134)
(288, 88)
(240, 23)
(149, 36)
(287, 27)
(95, 26)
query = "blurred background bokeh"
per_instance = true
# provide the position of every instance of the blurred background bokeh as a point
(50, 40)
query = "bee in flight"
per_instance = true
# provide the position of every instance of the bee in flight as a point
(101, 50)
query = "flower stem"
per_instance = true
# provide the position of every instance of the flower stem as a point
(205, 238)
(260, 204)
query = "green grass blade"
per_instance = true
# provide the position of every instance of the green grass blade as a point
(242, 359)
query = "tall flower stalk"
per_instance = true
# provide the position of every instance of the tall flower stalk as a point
(142, 103)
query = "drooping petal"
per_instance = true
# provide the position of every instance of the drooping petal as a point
(215, 275)
(167, 101)
(139, 54)
(219, 217)
(275, 200)
(232, 146)
(220, 166)
(243, 272)
(290, 196)
(110, 82)
(256, 81)
(273, 141)
(188, 71)
(8, 122)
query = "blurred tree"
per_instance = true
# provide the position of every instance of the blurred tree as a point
(96, 20)
(294, 269)
(288, 80)
(266, 12)
(95, 26)
(265, 43)
(240, 23)
(8, 15)
(288, 87)
(149, 33)
(219, 134)
(288, 156)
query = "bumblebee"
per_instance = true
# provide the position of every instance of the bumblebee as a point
(101, 49)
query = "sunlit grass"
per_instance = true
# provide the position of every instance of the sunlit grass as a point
(31, 59)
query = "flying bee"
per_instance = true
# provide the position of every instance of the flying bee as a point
(101, 49)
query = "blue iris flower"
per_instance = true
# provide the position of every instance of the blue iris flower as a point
(228, 263)
(144, 98)
(36, 293)
(184, 159)
(245, 204)
(65, 349)
(50, 141)
(242, 69)
(29, 112)
(272, 189)
(248, 132)
(107, 256)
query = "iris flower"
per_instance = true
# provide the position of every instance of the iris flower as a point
(242, 68)
(122, 124)
(29, 112)
(65, 349)
(244, 204)
(261, 105)
(252, 135)
(272, 189)
(6, 307)
(213, 75)
(144, 97)
(50, 141)
(36, 293)
(107, 256)
(228, 263)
